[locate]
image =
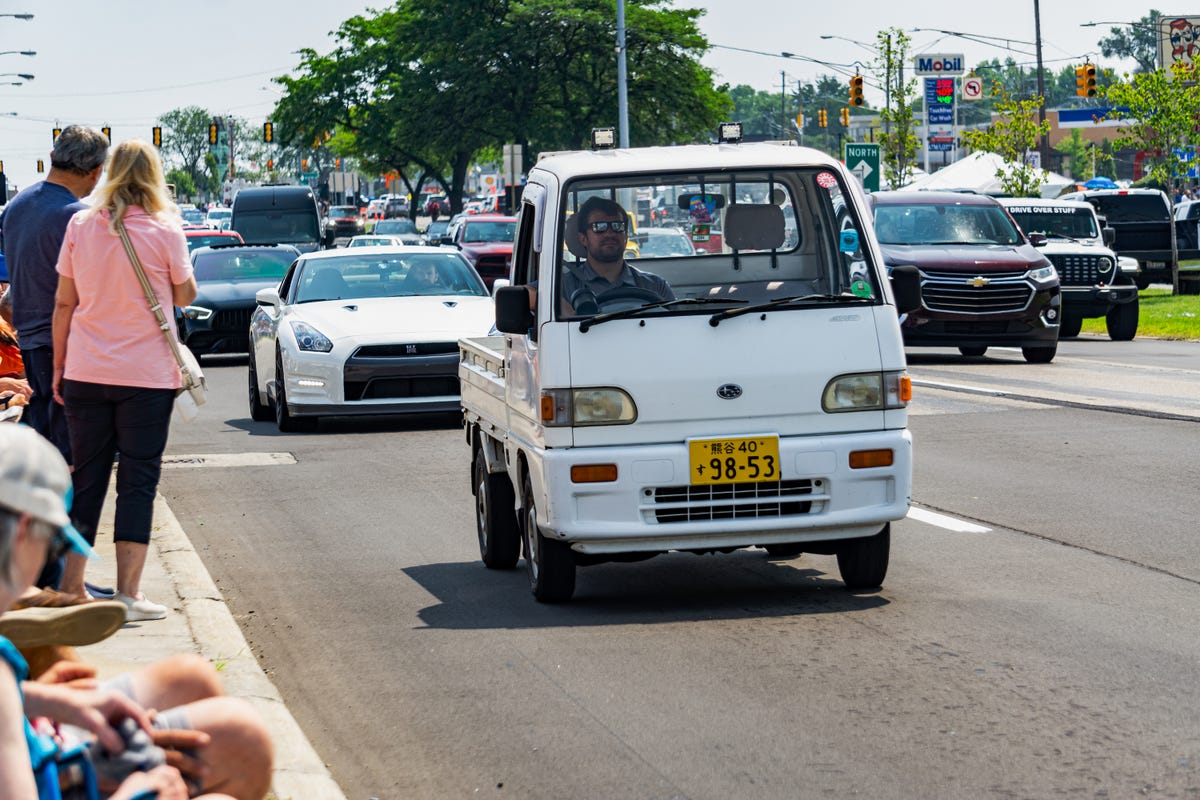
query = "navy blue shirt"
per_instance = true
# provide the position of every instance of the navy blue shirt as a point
(31, 234)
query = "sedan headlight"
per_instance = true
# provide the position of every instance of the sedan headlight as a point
(1046, 274)
(197, 312)
(311, 339)
(867, 391)
(591, 406)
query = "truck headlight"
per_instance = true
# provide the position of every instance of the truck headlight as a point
(1104, 265)
(310, 339)
(197, 312)
(1046, 274)
(867, 391)
(590, 406)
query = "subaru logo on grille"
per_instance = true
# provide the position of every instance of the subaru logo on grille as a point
(729, 391)
(411, 349)
(978, 281)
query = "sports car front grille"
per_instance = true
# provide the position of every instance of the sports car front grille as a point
(401, 388)
(994, 293)
(404, 350)
(737, 500)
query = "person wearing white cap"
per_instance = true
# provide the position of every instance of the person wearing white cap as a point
(202, 745)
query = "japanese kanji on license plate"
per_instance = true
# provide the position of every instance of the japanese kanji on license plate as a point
(741, 460)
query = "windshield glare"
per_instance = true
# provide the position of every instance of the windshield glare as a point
(710, 241)
(1077, 223)
(353, 277)
(246, 265)
(944, 223)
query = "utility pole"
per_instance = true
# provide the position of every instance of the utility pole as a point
(783, 100)
(1044, 142)
(622, 78)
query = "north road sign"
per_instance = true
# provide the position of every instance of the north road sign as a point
(863, 160)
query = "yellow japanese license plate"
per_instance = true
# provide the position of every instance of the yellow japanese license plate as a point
(741, 460)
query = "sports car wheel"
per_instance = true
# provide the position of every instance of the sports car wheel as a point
(283, 419)
(495, 519)
(550, 563)
(259, 411)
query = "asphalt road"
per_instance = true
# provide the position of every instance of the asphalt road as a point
(1047, 649)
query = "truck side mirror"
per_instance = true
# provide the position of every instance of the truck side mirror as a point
(906, 288)
(513, 311)
(1110, 235)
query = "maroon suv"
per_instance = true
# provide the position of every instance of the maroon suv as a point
(983, 283)
(487, 242)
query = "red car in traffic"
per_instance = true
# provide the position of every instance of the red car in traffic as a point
(487, 242)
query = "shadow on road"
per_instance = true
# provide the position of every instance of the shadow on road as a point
(390, 423)
(676, 587)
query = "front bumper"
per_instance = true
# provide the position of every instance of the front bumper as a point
(360, 384)
(652, 508)
(1034, 326)
(1095, 301)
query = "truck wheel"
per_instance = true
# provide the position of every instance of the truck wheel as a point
(1040, 355)
(1070, 327)
(259, 411)
(495, 519)
(1122, 321)
(790, 550)
(973, 351)
(864, 562)
(550, 563)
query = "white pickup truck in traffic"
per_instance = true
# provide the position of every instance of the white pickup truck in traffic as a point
(759, 401)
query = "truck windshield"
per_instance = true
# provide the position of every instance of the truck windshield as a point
(1073, 223)
(632, 244)
(1131, 207)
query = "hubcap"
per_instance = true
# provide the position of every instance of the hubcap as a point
(481, 504)
(531, 543)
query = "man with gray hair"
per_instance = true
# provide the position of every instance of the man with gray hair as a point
(31, 234)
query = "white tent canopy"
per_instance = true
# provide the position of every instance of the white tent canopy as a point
(977, 172)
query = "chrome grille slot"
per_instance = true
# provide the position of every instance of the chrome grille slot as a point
(737, 500)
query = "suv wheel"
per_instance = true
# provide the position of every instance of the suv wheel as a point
(1122, 321)
(1040, 355)
(1070, 327)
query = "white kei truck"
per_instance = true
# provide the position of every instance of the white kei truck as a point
(763, 406)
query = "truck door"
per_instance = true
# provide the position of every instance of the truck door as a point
(521, 381)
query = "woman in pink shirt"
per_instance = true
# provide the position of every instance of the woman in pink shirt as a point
(113, 369)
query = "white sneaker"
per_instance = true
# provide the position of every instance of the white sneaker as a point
(138, 609)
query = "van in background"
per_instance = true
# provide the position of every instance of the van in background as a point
(278, 215)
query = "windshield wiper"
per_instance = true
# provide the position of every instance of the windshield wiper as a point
(628, 312)
(715, 319)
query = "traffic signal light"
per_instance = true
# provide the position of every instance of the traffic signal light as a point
(107, 131)
(856, 90)
(268, 132)
(1079, 88)
(1, 167)
(845, 114)
(270, 164)
(157, 136)
(56, 132)
(304, 165)
(1089, 79)
(822, 118)
(339, 163)
(212, 133)
(41, 166)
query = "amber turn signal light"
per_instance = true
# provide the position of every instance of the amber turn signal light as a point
(865, 459)
(593, 473)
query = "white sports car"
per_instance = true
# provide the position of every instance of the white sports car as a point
(372, 330)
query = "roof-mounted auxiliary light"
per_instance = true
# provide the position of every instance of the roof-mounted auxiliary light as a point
(729, 132)
(604, 138)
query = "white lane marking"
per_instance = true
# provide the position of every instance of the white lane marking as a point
(228, 460)
(943, 521)
(960, 387)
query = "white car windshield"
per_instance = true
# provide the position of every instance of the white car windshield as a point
(374, 274)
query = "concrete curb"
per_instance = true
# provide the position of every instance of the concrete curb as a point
(299, 771)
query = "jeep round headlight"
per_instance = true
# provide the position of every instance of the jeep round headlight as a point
(1104, 265)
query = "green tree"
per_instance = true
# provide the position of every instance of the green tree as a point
(185, 140)
(1138, 41)
(761, 113)
(1012, 136)
(185, 185)
(898, 143)
(1079, 155)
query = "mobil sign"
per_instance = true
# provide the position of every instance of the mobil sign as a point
(939, 64)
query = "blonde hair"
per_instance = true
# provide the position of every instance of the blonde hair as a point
(134, 177)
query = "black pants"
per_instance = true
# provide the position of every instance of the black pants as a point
(43, 414)
(106, 420)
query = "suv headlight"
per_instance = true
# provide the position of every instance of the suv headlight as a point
(310, 339)
(1104, 265)
(1047, 274)
(197, 312)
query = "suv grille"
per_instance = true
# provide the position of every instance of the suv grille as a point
(1003, 292)
(737, 500)
(233, 319)
(1077, 270)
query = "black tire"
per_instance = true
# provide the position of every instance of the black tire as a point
(283, 418)
(864, 562)
(1122, 321)
(973, 351)
(1040, 355)
(495, 517)
(790, 550)
(1070, 327)
(1142, 283)
(550, 563)
(259, 411)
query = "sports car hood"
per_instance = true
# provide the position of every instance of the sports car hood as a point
(964, 258)
(400, 319)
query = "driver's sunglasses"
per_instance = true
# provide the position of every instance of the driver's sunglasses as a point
(616, 226)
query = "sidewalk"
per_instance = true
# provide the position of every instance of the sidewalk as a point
(200, 622)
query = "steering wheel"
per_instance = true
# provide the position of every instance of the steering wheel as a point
(626, 297)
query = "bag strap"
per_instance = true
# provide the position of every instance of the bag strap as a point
(152, 298)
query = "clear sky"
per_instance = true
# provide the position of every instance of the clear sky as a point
(123, 63)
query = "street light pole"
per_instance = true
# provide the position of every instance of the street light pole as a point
(622, 78)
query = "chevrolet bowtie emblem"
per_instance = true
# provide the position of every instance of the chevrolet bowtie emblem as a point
(978, 281)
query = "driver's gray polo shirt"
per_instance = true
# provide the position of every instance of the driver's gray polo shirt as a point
(580, 275)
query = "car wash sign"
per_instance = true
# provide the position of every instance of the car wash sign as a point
(935, 64)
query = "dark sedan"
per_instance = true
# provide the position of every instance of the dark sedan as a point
(218, 320)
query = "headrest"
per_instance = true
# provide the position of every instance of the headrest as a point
(753, 226)
(571, 237)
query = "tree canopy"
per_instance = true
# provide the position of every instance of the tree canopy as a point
(1138, 41)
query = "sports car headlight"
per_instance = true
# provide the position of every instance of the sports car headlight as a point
(311, 339)
(197, 312)
(592, 406)
(1045, 274)
(867, 391)
(1104, 265)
